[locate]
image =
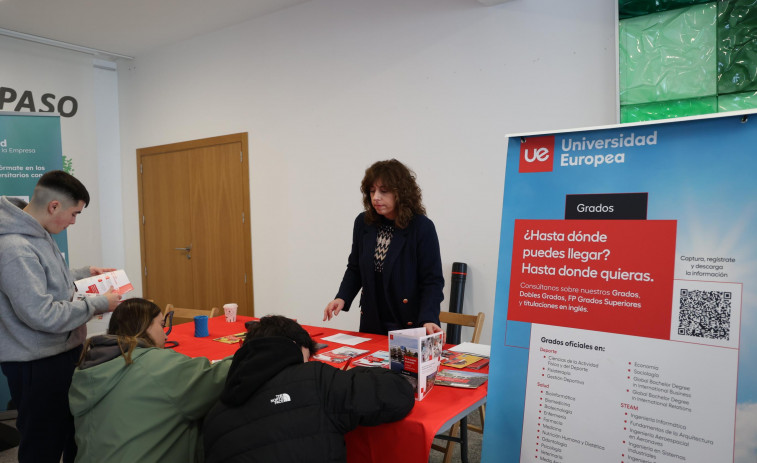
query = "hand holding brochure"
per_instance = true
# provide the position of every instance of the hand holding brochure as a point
(417, 356)
(100, 284)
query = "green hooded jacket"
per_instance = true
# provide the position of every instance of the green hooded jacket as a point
(149, 411)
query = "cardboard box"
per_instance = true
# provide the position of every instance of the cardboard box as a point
(100, 284)
(417, 356)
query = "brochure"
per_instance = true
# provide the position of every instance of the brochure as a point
(460, 360)
(458, 378)
(232, 338)
(417, 356)
(380, 359)
(340, 354)
(100, 284)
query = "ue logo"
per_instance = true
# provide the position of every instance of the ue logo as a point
(537, 154)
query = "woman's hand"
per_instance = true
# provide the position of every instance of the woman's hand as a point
(333, 308)
(432, 328)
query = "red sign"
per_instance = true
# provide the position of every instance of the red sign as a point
(614, 276)
(537, 154)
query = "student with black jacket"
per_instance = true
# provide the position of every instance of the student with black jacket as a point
(277, 406)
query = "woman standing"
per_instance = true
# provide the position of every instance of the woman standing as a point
(395, 256)
(132, 400)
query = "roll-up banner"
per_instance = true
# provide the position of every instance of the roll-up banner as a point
(625, 324)
(30, 145)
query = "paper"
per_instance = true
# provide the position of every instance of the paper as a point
(455, 378)
(347, 339)
(380, 358)
(416, 356)
(100, 284)
(340, 354)
(232, 338)
(482, 350)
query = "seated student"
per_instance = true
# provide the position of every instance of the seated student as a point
(278, 407)
(133, 401)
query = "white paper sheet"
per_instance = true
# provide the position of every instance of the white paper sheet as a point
(347, 339)
(472, 348)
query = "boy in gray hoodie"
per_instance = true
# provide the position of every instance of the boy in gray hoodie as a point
(41, 328)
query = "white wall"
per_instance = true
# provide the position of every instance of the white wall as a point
(42, 69)
(328, 87)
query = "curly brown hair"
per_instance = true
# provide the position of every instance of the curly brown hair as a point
(399, 179)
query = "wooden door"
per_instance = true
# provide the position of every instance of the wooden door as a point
(194, 203)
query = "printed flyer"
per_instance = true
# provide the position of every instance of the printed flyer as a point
(625, 318)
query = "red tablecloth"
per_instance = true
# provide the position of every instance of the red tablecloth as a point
(408, 440)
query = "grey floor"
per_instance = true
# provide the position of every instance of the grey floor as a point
(474, 446)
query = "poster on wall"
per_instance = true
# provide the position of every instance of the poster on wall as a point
(30, 145)
(625, 310)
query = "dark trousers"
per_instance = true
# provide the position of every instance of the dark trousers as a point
(39, 389)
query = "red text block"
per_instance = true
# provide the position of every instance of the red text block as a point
(614, 276)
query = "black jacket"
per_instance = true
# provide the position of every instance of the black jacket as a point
(276, 408)
(412, 274)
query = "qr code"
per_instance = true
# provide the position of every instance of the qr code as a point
(705, 314)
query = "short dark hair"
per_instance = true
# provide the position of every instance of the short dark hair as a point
(65, 184)
(401, 181)
(277, 325)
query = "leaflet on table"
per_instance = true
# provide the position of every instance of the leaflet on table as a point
(100, 284)
(460, 360)
(340, 354)
(380, 358)
(481, 350)
(232, 338)
(457, 378)
(417, 356)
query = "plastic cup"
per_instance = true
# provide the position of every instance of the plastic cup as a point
(201, 326)
(230, 310)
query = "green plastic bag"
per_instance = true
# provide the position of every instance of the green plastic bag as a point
(669, 55)
(737, 101)
(668, 109)
(737, 46)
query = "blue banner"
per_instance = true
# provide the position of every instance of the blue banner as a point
(625, 306)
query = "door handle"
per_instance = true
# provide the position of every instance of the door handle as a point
(188, 250)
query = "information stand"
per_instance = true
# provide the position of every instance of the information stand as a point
(625, 308)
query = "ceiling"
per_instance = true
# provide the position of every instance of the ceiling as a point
(129, 27)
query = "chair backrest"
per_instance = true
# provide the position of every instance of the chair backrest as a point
(186, 315)
(474, 321)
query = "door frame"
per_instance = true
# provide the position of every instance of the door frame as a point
(193, 144)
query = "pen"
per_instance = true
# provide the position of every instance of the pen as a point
(346, 365)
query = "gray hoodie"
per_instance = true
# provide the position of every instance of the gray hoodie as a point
(37, 316)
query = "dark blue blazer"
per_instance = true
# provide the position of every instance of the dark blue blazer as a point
(412, 274)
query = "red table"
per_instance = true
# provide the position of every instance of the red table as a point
(408, 440)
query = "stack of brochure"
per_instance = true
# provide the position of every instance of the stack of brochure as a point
(460, 378)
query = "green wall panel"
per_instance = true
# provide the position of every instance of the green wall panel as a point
(737, 46)
(668, 109)
(668, 55)
(737, 101)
